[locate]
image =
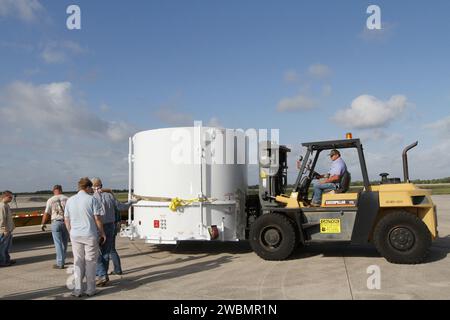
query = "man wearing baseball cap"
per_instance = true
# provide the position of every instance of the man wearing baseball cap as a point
(331, 181)
(110, 206)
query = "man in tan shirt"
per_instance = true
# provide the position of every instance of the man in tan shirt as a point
(6, 229)
(55, 210)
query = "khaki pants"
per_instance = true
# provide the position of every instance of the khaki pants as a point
(85, 252)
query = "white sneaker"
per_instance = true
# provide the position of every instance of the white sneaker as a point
(76, 294)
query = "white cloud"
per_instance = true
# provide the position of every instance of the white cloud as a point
(31, 71)
(17, 46)
(49, 136)
(369, 112)
(52, 107)
(311, 80)
(327, 90)
(319, 71)
(59, 52)
(381, 135)
(430, 161)
(51, 55)
(291, 76)
(377, 35)
(214, 122)
(170, 116)
(299, 102)
(104, 107)
(119, 131)
(441, 126)
(25, 10)
(73, 47)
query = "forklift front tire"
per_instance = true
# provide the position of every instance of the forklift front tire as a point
(273, 236)
(401, 237)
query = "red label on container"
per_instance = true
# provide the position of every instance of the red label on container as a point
(155, 223)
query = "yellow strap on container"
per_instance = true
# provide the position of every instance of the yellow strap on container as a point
(175, 203)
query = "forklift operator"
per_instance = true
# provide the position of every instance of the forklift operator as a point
(332, 179)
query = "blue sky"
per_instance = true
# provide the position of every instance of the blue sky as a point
(309, 68)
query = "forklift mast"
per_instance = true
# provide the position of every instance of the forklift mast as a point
(272, 172)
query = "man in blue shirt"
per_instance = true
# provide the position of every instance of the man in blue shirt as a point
(83, 219)
(331, 182)
(110, 206)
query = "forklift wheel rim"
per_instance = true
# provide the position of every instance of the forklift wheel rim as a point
(401, 238)
(271, 237)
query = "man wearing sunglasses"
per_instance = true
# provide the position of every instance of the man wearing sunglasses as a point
(331, 181)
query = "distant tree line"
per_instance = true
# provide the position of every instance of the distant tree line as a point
(432, 181)
(416, 181)
(67, 192)
(354, 183)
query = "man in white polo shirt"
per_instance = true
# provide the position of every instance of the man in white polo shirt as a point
(83, 218)
(331, 181)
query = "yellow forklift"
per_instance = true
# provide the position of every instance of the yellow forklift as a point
(395, 216)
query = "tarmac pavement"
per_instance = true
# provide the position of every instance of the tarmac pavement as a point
(233, 271)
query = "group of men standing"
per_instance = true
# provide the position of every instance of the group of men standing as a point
(90, 219)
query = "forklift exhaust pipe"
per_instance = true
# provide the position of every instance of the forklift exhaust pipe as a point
(405, 160)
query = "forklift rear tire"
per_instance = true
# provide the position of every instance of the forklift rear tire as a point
(273, 236)
(401, 237)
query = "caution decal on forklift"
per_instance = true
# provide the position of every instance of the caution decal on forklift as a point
(330, 225)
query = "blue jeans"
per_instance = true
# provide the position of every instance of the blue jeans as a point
(319, 189)
(5, 248)
(115, 256)
(60, 238)
(105, 250)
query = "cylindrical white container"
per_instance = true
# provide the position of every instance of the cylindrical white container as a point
(189, 163)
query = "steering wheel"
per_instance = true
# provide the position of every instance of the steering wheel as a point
(315, 175)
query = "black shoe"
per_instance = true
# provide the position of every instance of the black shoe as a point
(92, 293)
(5, 265)
(12, 262)
(55, 266)
(102, 282)
(116, 273)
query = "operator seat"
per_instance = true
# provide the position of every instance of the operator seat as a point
(344, 183)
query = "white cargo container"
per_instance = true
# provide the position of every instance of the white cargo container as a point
(203, 166)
